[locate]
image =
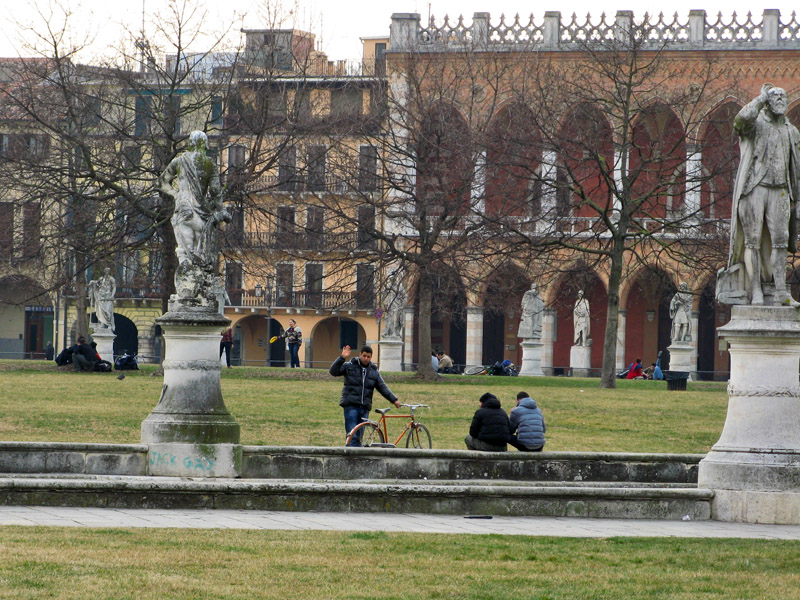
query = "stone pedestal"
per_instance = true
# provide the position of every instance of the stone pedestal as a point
(680, 358)
(580, 360)
(391, 355)
(754, 468)
(104, 338)
(532, 358)
(190, 432)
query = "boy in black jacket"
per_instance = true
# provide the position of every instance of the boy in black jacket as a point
(361, 377)
(490, 430)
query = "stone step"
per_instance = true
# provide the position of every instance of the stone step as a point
(436, 497)
(279, 462)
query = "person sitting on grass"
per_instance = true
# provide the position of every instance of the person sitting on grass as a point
(527, 425)
(635, 370)
(489, 431)
(83, 356)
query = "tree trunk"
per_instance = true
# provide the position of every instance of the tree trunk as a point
(608, 377)
(424, 366)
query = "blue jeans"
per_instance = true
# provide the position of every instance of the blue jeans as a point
(353, 415)
(294, 358)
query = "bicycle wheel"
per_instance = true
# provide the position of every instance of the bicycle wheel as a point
(418, 437)
(365, 434)
(475, 370)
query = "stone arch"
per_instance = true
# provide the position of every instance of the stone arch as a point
(329, 335)
(720, 158)
(563, 298)
(26, 312)
(448, 315)
(659, 150)
(127, 335)
(501, 313)
(444, 160)
(251, 342)
(647, 321)
(712, 363)
(584, 135)
(513, 157)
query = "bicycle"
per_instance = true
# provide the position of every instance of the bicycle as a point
(495, 369)
(374, 433)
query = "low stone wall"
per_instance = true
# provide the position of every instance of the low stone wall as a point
(277, 462)
(267, 462)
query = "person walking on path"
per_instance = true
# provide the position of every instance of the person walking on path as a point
(294, 337)
(489, 431)
(225, 345)
(527, 425)
(361, 378)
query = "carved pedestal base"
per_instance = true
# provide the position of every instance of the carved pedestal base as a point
(754, 468)
(391, 355)
(532, 358)
(680, 358)
(190, 432)
(104, 338)
(580, 360)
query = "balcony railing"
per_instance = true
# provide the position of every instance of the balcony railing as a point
(317, 300)
(302, 240)
(300, 183)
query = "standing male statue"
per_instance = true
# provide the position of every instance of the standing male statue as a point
(763, 215)
(530, 324)
(101, 297)
(197, 214)
(680, 311)
(580, 318)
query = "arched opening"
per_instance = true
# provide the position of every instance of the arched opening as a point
(329, 336)
(127, 333)
(448, 317)
(444, 163)
(586, 159)
(656, 161)
(501, 315)
(647, 321)
(712, 362)
(720, 158)
(564, 335)
(253, 334)
(26, 318)
(513, 151)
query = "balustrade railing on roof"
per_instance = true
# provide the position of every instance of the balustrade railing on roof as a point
(553, 32)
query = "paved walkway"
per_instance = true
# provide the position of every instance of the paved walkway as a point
(247, 519)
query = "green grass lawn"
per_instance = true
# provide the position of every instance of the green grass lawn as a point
(285, 407)
(161, 564)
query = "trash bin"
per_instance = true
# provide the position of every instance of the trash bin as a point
(676, 380)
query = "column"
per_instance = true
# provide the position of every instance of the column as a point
(697, 27)
(695, 319)
(408, 338)
(478, 188)
(552, 28)
(480, 29)
(548, 339)
(547, 172)
(694, 175)
(474, 336)
(619, 168)
(621, 324)
(404, 32)
(769, 28)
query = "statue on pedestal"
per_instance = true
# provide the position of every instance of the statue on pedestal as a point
(581, 321)
(195, 219)
(395, 300)
(101, 298)
(530, 324)
(680, 311)
(764, 210)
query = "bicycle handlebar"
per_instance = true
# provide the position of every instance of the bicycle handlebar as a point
(415, 406)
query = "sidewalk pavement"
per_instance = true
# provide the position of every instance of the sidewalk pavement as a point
(417, 523)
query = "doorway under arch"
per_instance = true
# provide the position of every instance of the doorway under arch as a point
(329, 336)
(127, 333)
(253, 334)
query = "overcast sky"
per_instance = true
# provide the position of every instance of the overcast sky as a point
(338, 23)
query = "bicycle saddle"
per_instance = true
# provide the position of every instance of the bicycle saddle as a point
(383, 411)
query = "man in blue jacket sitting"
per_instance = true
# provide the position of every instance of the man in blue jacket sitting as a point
(527, 425)
(361, 377)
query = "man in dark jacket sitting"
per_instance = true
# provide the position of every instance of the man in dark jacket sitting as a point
(489, 430)
(83, 356)
(527, 425)
(361, 377)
